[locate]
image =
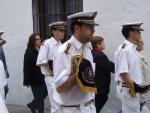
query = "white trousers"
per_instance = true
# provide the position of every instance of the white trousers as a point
(3, 108)
(145, 109)
(50, 87)
(130, 104)
(2, 93)
(144, 98)
(3, 80)
(82, 109)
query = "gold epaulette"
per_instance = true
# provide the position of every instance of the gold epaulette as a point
(68, 48)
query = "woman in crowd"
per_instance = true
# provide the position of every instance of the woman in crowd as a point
(32, 74)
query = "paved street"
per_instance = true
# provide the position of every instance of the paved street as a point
(112, 106)
(20, 109)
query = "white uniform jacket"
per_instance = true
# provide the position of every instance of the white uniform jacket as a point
(62, 70)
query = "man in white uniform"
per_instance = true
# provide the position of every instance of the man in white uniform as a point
(46, 55)
(128, 73)
(67, 93)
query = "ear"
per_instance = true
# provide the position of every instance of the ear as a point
(76, 28)
(131, 33)
(53, 31)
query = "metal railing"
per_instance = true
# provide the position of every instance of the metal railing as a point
(44, 14)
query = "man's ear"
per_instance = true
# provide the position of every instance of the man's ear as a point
(131, 33)
(53, 32)
(76, 28)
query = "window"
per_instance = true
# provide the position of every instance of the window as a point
(48, 11)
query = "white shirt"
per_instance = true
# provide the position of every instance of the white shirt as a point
(62, 70)
(47, 52)
(127, 60)
(144, 68)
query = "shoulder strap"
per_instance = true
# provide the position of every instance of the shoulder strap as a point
(67, 48)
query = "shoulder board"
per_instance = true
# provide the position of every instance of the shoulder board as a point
(67, 48)
(90, 48)
(123, 46)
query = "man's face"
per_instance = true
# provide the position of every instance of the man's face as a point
(59, 33)
(140, 45)
(86, 33)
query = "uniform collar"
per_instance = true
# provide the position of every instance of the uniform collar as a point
(55, 41)
(130, 44)
(78, 44)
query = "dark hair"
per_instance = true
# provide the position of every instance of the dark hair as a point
(31, 41)
(126, 30)
(72, 26)
(96, 40)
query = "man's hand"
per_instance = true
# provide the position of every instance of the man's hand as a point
(134, 88)
(66, 86)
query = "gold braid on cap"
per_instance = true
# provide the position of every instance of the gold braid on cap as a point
(86, 21)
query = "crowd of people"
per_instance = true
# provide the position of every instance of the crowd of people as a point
(76, 75)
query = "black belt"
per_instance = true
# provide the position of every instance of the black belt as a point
(77, 106)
